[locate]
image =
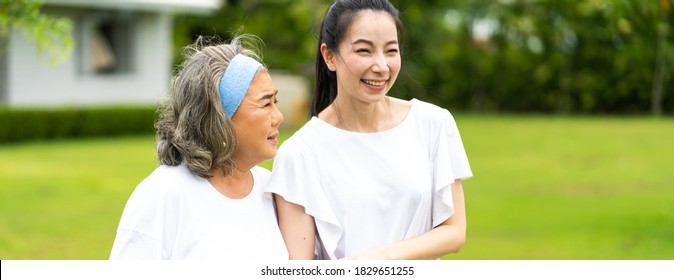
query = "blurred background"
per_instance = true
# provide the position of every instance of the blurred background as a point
(565, 109)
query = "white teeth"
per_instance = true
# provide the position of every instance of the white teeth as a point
(374, 83)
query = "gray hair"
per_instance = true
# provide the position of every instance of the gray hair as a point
(192, 126)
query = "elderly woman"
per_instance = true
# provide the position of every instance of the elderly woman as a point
(205, 200)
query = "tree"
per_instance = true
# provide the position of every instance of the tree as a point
(552, 56)
(288, 29)
(51, 34)
(663, 57)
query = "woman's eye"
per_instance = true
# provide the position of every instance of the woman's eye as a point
(269, 103)
(362, 50)
(393, 51)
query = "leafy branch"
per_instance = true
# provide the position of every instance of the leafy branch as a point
(51, 34)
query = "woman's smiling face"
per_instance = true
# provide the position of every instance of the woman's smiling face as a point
(368, 59)
(256, 121)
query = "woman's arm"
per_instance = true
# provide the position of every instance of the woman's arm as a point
(298, 229)
(446, 238)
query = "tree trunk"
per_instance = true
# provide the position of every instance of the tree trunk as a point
(660, 72)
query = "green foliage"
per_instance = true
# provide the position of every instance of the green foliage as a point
(600, 56)
(547, 56)
(286, 27)
(18, 125)
(52, 34)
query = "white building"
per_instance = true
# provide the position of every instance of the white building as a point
(122, 55)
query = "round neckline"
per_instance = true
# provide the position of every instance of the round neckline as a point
(223, 198)
(323, 123)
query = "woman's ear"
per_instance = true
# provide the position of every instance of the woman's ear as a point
(328, 57)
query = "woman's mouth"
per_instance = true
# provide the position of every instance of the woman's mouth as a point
(273, 138)
(374, 83)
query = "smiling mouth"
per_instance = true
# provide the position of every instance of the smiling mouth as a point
(374, 83)
(273, 137)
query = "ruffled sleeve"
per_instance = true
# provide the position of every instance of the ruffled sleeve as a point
(449, 163)
(296, 177)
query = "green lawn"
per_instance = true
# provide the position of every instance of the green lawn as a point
(569, 188)
(544, 188)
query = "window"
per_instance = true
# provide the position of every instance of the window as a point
(105, 43)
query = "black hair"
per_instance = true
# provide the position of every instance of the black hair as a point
(336, 23)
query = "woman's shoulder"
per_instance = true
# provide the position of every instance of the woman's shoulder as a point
(429, 112)
(301, 139)
(430, 109)
(166, 185)
(301, 148)
(170, 173)
(168, 179)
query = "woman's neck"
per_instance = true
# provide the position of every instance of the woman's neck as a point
(236, 185)
(357, 116)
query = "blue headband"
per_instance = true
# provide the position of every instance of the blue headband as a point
(235, 82)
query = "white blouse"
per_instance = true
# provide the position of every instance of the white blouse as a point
(369, 189)
(174, 214)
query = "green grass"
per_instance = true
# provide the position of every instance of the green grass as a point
(569, 188)
(63, 199)
(544, 188)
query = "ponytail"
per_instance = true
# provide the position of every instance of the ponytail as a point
(325, 88)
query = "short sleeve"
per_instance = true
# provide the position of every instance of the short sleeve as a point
(133, 245)
(138, 235)
(296, 177)
(141, 232)
(450, 162)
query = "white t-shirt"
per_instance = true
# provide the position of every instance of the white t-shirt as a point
(174, 214)
(369, 189)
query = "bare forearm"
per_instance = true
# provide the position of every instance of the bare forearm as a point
(442, 240)
(298, 229)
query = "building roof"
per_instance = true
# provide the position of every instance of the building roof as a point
(173, 6)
